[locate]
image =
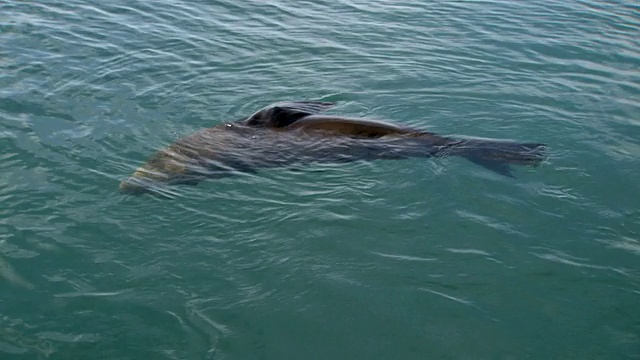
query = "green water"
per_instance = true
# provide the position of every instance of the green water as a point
(411, 259)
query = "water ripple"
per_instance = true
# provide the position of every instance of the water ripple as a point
(258, 264)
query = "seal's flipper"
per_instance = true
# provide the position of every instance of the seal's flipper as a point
(497, 155)
(496, 166)
(308, 107)
(286, 113)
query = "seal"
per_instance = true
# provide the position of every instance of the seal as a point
(295, 132)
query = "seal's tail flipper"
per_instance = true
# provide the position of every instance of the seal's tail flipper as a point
(498, 155)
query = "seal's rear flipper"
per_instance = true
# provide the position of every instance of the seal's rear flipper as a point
(498, 155)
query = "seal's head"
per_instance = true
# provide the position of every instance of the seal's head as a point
(166, 167)
(142, 181)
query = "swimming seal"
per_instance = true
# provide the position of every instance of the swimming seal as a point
(295, 132)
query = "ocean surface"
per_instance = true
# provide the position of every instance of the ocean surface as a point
(409, 259)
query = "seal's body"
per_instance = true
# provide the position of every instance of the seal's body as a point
(293, 133)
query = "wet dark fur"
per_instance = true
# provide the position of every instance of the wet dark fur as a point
(293, 132)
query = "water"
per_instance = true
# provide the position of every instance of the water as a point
(407, 259)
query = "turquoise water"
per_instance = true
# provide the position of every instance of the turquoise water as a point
(411, 259)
